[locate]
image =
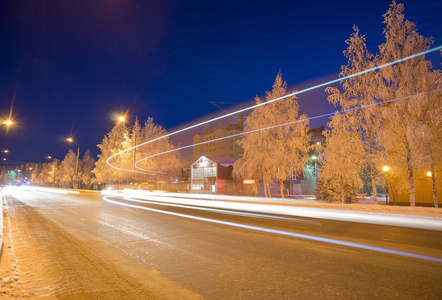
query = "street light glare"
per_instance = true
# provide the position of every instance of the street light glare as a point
(121, 119)
(69, 140)
(429, 174)
(7, 122)
(385, 168)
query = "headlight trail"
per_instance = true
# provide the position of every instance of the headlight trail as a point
(219, 210)
(285, 124)
(254, 205)
(287, 233)
(39, 189)
(148, 172)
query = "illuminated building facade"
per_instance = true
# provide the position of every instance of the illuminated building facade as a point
(211, 175)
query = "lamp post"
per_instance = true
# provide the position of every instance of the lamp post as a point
(386, 169)
(70, 140)
(122, 119)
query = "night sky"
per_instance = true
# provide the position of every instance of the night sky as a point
(68, 67)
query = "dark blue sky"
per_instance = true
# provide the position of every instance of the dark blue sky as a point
(72, 64)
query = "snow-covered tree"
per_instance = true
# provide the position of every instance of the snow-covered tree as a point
(426, 135)
(168, 163)
(400, 81)
(342, 159)
(56, 171)
(114, 142)
(274, 154)
(353, 141)
(123, 137)
(68, 168)
(46, 175)
(87, 164)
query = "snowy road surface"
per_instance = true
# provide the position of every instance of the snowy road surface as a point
(80, 246)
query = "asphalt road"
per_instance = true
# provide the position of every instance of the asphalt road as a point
(85, 246)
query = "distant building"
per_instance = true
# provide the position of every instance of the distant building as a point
(317, 138)
(211, 175)
(227, 148)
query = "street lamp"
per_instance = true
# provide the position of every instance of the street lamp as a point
(386, 169)
(70, 140)
(8, 122)
(122, 119)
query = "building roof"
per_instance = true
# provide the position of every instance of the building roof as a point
(222, 161)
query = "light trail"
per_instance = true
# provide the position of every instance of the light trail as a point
(287, 233)
(285, 124)
(149, 172)
(262, 205)
(39, 189)
(219, 210)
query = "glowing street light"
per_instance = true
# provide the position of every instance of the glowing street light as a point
(71, 140)
(429, 174)
(8, 122)
(385, 168)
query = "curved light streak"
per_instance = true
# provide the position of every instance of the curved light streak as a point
(288, 233)
(261, 104)
(284, 124)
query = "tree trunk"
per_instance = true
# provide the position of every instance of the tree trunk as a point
(268, 189)
(410, 175)
(342, 191)
(411, 183)
(264, 182)
(373, 185)
(281, 188)
(433, 179)
(258, 188)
